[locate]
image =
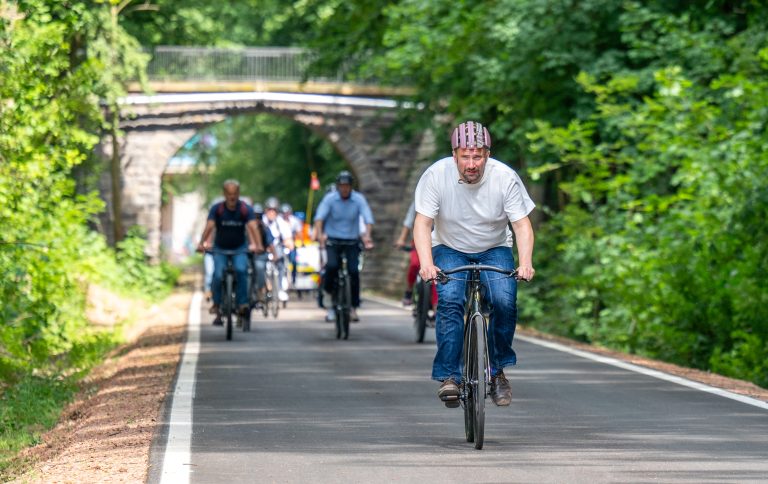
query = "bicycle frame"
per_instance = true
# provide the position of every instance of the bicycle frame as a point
(473, 308)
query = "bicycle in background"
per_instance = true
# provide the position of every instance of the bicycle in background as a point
(342, 296)
(476, 375)
(423, 307)
(271, 302)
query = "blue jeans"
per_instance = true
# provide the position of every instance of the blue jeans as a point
(260, 269)
(501, 295)
(208, 265)
(240, 261)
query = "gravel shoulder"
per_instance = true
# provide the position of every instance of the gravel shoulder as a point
(107, 433)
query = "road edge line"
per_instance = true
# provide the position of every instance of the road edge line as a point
(645, 371)
(618, 363)
(177, 454)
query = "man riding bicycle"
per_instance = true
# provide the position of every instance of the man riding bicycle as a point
(472, 199)
(236, 229)
(338, 220)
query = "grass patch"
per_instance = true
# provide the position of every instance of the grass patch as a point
(27, 410)
(33, 404)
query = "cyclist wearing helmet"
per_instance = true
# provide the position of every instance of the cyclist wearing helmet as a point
(472, 199)
(338, 218)
(283, 243)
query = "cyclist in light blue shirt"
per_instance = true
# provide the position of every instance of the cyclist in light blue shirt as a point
(338, 220)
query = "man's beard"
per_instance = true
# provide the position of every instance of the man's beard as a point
(471, 178)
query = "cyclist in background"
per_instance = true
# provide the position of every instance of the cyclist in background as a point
(283, 243)
(236, 229)
(338, 219)
(260, 260)
(413, 265)
(297, 227)
(472, 199)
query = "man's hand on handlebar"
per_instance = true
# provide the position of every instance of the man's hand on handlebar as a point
(202, 247)
(320, 239)
(256, 249)
(428, 273)
(525, 273)
(367, 242)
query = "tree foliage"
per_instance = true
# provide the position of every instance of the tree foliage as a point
(269, 155)
(56, 62)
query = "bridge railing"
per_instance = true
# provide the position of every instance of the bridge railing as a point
(171, 63)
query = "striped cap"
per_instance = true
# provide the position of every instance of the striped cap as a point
(470, 134)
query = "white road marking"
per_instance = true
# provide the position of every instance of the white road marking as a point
(177, 455)
(646, 371)
(621, 364)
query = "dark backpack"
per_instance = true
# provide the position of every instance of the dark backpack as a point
(243, 210)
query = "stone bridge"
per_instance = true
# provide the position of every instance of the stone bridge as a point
(154, 128)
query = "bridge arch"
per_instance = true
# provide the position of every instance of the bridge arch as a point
(154, 128)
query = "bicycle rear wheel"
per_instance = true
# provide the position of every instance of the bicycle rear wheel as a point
(479, 382)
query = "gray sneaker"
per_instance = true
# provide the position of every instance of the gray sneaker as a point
(449, 393)
(501, 392)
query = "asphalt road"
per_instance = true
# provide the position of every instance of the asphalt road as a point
(290, 403)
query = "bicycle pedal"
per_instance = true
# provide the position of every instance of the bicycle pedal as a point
(450, 398)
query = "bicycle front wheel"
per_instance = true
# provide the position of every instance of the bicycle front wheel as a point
(470, 372)
(228, 296)
(346, 307)
(275, 302)
(479, 381)
(422, 295)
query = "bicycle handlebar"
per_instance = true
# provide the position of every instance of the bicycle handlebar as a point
(346, 243)
(226, 251)
(442, 275)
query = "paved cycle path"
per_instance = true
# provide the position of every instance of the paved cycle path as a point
(290, 403)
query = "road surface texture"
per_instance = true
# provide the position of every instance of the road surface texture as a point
(288, 402)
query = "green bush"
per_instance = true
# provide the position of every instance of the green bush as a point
(662, 250)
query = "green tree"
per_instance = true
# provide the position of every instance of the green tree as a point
(661, 249)
(270, 156)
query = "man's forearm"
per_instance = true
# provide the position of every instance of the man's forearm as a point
(524, 239)
(254, 234)
(422, 239)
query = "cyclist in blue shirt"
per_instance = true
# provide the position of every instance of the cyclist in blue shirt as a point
(236, 229)
(338, 219)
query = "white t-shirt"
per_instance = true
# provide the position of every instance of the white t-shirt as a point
(472, 218)
(281, 229)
